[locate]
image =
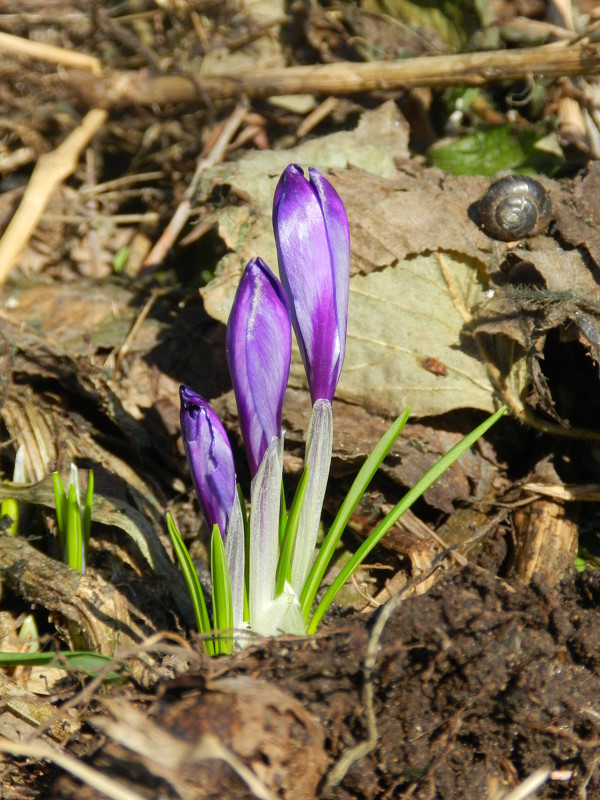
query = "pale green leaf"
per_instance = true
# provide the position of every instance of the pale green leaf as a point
(221, 592)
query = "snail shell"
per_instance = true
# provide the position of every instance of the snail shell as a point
(514, 207)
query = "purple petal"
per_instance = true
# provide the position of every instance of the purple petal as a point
(209, 457)
(259, 344)
(313, 247)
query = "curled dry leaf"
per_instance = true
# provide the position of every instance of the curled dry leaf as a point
(250, 735)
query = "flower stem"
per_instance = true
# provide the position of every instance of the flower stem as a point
(265, 494)
(358, 488)
(319, 445)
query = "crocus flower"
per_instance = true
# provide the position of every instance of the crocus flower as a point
(209, 457)
(313, 248)
(259, 345)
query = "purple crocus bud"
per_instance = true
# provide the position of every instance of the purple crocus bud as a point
(259, 347)
(209, 457)
(313, 247)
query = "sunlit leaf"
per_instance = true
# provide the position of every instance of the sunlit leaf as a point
(192, 582)
(88, 662)
(221, 593)
(409, 498)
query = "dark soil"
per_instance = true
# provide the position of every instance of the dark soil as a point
(475, 685)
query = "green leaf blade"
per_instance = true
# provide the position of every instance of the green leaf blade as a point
(221, 593)
(407, 501)
(193, 584)
(61, 505)
(357, 490)
(289, 536)
(74, 531)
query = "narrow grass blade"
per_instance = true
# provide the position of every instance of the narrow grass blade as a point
(291, 529)
(283, 516)
(60, 502)
(221, 593)
(246, 550)
(88, 662)
(74, 535)
(193, 584)
(409, 498)
(358, 488)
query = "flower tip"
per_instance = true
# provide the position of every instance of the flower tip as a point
(294, 169)
(209, 457)
(187, 396)
(191, 405)
(292, 175)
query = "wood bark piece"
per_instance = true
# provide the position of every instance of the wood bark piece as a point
(123, 88)
(546, 542)
(22, 711)
(49, 172)
(94, 609)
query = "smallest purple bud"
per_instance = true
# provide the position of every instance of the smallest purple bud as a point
(209, 457)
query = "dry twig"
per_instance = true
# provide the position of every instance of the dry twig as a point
(463, 69)
(180, 217)
(40, 751)
(18, 46)
(49, 172)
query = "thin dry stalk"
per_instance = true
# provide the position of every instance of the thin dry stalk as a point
(180, 217)
(464, 69)
(49, 172)
(49, 52)
(321, 112)
(40, 751)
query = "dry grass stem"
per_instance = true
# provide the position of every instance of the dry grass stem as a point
(89, 776)
(321, 112)
(48, 52)
(588, 492)
(463, 69)
(49, 172)
(158, 253)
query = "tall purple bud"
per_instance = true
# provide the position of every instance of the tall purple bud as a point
(259, 344)
(313, 248)
(209, 457)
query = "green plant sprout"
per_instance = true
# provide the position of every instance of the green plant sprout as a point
(265, 576)
(28, 635)
(74, 519)
(9, 507)
(218, 638)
